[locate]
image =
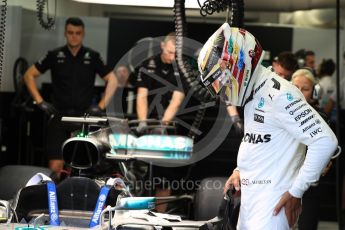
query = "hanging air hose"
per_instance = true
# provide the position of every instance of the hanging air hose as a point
(185, 68)
(2, 35)
(237, 13)
(49, 24)
(209, 7)
(19, 68)
(22, 98)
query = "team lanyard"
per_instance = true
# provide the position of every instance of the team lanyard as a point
(102, 197)
(52, 204)
(40, 178)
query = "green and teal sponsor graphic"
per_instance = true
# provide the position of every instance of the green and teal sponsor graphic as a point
(122, 141)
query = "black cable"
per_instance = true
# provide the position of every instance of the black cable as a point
(338, 163)
(211, 6)
(3, 12)
(49, 24)
(191, 79)
(22, 99)
(237, 13)
(208, 8)
(19, 68)
(236, 7)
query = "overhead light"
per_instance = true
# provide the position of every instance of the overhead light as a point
(146, 3)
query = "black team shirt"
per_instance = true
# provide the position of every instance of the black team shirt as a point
(161, 80)
(73, 77)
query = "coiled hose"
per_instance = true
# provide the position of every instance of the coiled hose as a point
(236, 7)
(2, 35)
(192, 80)
(237, 13)
(49, 24)
(22, 97)
(209, 7)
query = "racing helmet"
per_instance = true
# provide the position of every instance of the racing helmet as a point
(228, 62)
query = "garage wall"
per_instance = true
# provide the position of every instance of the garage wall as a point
(322, 41)
(35, 41)
(12, 46)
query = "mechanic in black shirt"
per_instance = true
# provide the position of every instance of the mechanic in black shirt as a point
(73, 70)
(160, 89)
(160, 94)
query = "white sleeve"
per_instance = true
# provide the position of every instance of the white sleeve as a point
(305, 124)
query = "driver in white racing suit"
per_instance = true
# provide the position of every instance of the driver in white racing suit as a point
(272, 170)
